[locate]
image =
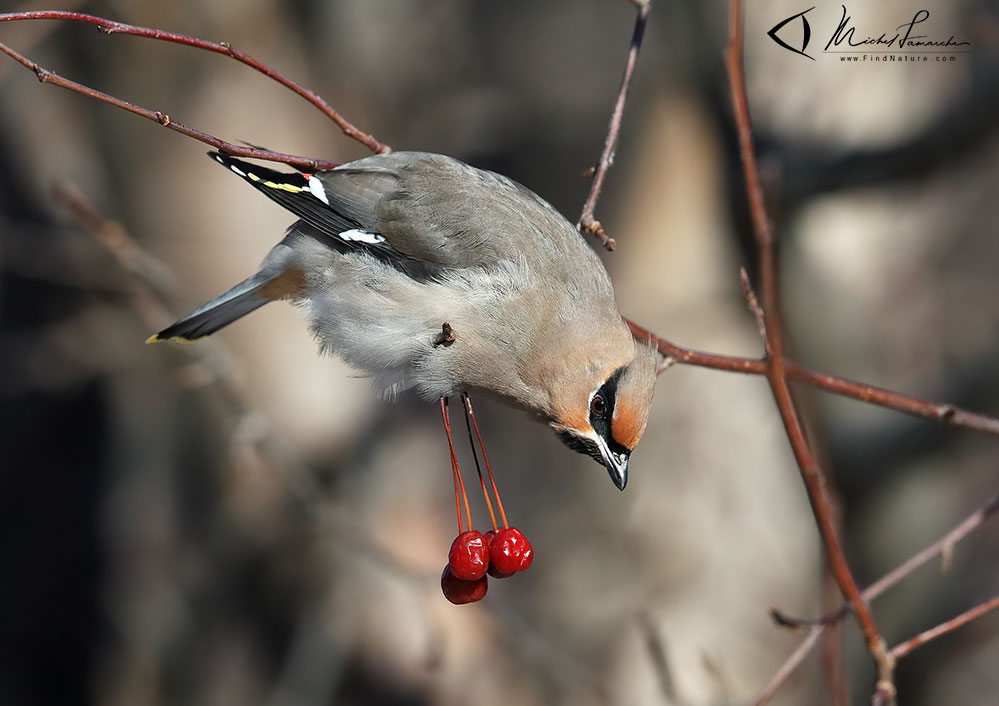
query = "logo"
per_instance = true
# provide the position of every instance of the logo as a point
(806, 33)
(910, 41)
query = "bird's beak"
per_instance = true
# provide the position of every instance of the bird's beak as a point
(617, 463)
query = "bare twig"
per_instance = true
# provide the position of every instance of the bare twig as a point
(934, 411)
(46, 76)
(831, 647)
(754, 304)
(942, 546)
(811, 473)
(882, 695)
(901, 650)
(789, 666)
(586, 220)
(111, 27)
(31, 37)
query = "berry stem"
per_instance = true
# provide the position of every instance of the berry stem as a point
(499, 503)
(456, 470)
(475, 457)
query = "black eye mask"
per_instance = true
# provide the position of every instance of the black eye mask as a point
(601, 423)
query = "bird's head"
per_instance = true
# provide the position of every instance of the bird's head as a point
(602, 410)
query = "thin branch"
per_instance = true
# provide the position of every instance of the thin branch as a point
(944, 413)
(903, 649)
(754, 306)
(32, 35)
(586, 220)
(811, 473)
(942, 546)
(789, 666)
(111, 27)
(832, 644)
(46, 76)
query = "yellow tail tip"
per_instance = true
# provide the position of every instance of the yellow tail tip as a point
(155, 338)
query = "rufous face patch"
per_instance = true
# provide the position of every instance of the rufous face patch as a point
(628, 424)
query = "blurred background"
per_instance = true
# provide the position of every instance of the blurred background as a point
(242, 522)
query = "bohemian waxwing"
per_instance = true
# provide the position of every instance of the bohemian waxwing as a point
(426, 273)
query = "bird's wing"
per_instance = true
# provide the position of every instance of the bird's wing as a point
(416, 206)
(343, 223)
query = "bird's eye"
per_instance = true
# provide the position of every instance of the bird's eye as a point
(598, 405)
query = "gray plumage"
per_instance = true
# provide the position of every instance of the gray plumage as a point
(391, 247)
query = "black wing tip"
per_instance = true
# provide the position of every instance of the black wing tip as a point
(257, 174)
(186, 330)
(224, 159)
(177, 332)
(228, 161)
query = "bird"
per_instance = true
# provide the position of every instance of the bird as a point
(425, 273)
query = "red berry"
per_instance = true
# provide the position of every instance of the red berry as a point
(492, 570)
(469, 556)
(460, 592)
(497, 574)
(509, 551)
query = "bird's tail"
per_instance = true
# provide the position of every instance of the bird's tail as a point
(221, 311)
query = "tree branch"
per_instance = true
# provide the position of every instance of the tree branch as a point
(944, 413)
(46, 76)
(942, 546)
(587, 222)
(789, 666)
(111, 27)
(903, 649)
(769, 316)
